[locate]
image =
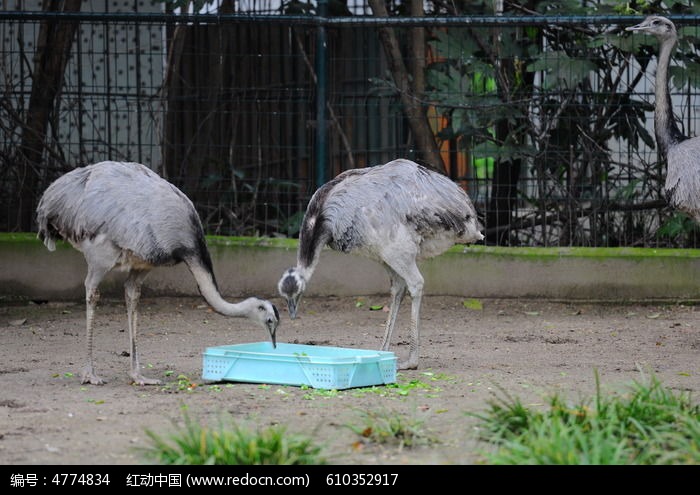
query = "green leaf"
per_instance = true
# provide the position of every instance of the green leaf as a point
(629, 191)
(473, 304)
(491, 150)
(561, 69)
(376, 307)
(677, 225)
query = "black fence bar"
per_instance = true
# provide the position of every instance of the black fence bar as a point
(309, 20)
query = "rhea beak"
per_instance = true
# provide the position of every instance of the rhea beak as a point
(272, 327)
(292, 306)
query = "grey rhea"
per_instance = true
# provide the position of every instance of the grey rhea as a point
(124, 216)
(398, 214)
(682, 154)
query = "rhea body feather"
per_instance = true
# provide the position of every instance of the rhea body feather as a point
(75, 208)
(399, 210)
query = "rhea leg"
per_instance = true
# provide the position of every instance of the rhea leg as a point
(411, 279)
(132, 294)
(398, 291)
(94, 276)
(416, 290)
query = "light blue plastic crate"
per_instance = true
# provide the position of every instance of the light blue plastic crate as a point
(319, 367)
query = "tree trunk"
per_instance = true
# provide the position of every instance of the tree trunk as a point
(173, 122)
(52, 52)
(506, 173)
(504, 192)
(418, 51)
(195, 124)
(417, 120)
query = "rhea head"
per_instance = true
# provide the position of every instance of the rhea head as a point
(291, 286)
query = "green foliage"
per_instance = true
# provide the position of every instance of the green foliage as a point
(559, 100)
(462, 84)
(231, 444)
(473, 304)
(428, 387)
(570, 7)
(679, 225)
(237, 196)
(561, 70)
(392, 428)
(629, 191)
(183, 384)
(292, 225)
(649, 425)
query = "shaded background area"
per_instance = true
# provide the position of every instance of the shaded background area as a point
(542, 114)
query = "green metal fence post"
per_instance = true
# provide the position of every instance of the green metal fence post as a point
(321, 95)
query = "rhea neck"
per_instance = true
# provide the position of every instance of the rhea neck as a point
(210, 293)
(306, 271)
(309, 252)
(667, 132)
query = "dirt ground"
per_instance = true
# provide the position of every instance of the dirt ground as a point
(529, 349)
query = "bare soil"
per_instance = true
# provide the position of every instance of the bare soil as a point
(527, 349)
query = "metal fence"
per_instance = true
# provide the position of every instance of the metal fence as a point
(248, 114)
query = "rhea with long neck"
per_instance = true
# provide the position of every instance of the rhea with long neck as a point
(682, 154)
(124, 216)
(667, 132)
(396, 214)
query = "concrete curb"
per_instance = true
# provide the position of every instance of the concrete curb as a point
(252, 266)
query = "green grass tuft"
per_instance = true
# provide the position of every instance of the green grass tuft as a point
(231, 444)
(648, 425)
(392, 428)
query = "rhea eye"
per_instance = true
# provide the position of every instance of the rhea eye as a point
(261, 308)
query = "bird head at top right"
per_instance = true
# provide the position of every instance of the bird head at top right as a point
(656, 25)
